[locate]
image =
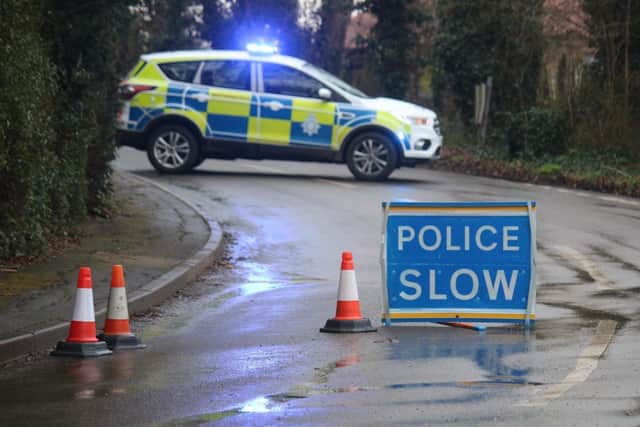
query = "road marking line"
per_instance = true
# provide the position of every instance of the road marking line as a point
(587, 363)
(264, 168)
(618, 200)
(338, 183)
(586, 264)
(563, 190)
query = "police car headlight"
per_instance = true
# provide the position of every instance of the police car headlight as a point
(419, 121)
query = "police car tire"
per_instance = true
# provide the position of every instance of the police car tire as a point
(192, 157)
(359, 145)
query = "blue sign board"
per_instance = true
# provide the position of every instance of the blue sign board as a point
(459, 261)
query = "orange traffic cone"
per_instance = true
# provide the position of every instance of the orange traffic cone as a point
(117, 333)
(348, 317)
(82, 341)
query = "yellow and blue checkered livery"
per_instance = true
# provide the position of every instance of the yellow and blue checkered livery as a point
(256, 118)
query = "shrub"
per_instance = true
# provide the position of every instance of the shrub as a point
(58, 80)
(535, 133)
(549, 169)
(27, 162)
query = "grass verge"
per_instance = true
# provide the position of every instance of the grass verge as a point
(611, 173)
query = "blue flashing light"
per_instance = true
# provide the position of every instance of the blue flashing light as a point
(261, 49)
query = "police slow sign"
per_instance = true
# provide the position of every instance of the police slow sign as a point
(450, 261)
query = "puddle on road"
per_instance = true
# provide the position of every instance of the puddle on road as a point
(257, 287)
(487, 356)
(95, 378)
(488, 351)
(238, 273)
(275, 403)
(246, 270)
(261, 405)
(259, 279)
(86, 376)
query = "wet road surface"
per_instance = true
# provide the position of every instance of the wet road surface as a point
(241, 346)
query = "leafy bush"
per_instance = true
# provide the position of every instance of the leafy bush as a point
(58, 80)
(535, 133)
(27, 159)
(549, 169)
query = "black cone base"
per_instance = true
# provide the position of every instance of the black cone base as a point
(122, 342)
(81, 349)
(348, 326)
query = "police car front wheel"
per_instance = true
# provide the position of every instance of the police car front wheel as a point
(173, 149)
(371, 157)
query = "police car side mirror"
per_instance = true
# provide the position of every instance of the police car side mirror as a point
(324, 93)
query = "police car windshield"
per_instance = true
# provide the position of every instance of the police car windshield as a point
(330, 78)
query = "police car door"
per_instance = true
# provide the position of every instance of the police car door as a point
(230, 100)
(291, 111)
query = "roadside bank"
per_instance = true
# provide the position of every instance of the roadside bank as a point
(162, 242)
(607, 180)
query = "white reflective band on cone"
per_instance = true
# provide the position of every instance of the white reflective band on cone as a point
(348, 290)
(83, 308)
(118, 304)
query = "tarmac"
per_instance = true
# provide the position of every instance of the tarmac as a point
(162, 241)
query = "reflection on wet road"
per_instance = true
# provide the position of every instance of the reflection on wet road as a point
(486, 350)
(241, 346)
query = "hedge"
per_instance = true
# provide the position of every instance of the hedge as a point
(58, 80)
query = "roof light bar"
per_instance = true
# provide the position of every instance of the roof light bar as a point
(261, 49)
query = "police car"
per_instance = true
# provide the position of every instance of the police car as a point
(184, 107)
